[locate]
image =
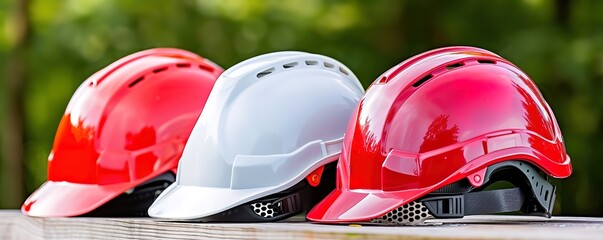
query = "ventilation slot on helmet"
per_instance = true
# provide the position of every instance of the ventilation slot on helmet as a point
(413, 213)
(290, 65)
(453, 66)
(311, 62)
(183, 65)
(486, 61)
(422, 80)
(343, 71)
(328, 65)
(206, 68)
(265, 72)
(160, 69)
(135, 81)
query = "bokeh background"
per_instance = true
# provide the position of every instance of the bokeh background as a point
(48, 47)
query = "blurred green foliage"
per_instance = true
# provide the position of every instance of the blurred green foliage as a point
(558, 43)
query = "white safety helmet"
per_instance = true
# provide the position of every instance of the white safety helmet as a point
(270, 127)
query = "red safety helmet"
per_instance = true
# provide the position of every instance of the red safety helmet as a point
(118, 143)
(434, 131)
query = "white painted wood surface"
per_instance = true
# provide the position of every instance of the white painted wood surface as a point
(14, 225)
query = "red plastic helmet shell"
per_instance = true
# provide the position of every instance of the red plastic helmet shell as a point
(434, 119)
(124, 125)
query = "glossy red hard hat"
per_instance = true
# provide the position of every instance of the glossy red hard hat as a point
(124, 125)
(435, 119)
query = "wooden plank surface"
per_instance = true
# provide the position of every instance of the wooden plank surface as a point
(14, 225)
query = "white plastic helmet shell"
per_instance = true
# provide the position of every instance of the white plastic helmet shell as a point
(269, 122)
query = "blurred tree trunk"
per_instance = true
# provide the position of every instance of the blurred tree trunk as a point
(12, 133)
(562, 13)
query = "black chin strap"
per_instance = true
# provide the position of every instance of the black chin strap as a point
(494, 201)
(475, 203)
(535, 195)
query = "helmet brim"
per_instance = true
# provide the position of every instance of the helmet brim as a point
(65, 199)
(181, 202)
(344, 205)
